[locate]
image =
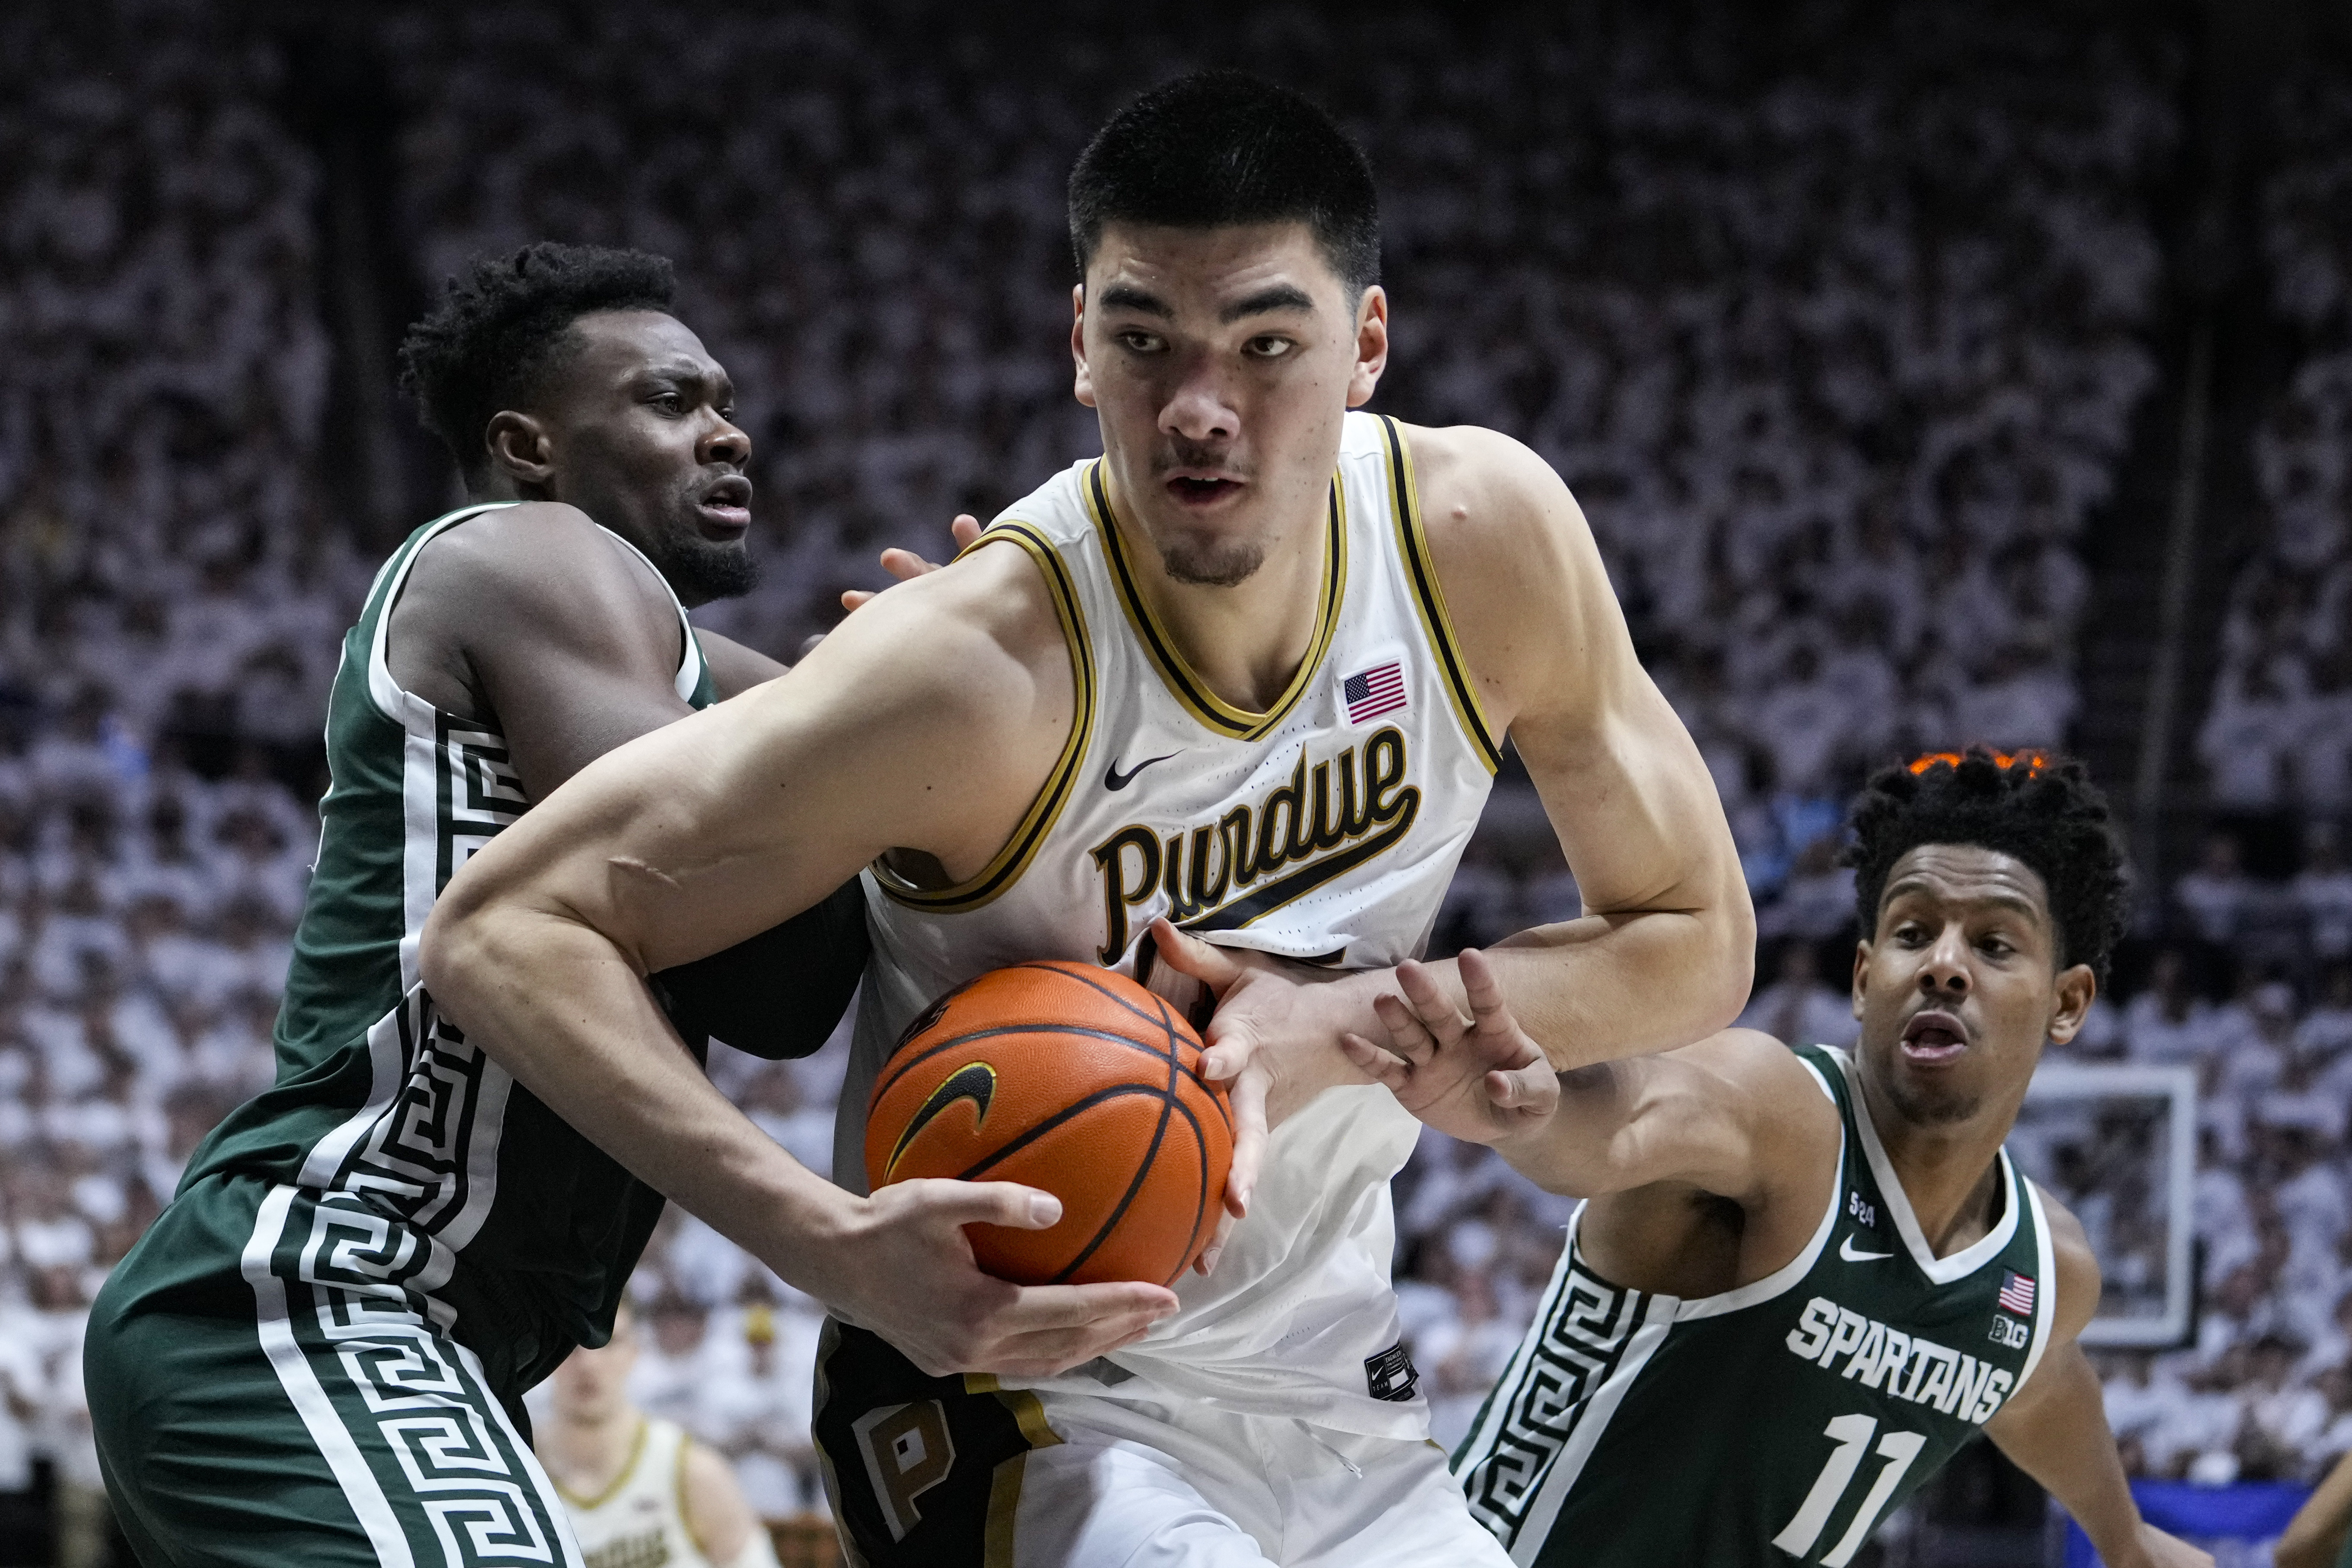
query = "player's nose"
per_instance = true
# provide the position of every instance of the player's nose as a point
(1945, 968)
(1198, 409)
(726, 443)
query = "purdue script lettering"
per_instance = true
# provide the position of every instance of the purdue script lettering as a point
(1918, 1370)
(1325, 819)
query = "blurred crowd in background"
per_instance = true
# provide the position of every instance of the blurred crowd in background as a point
(1839, 347)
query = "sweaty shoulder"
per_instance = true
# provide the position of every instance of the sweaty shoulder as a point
(538, 575)
(1524, 584)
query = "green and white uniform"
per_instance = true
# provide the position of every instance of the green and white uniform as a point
(1774, 1424)
(317, 1355)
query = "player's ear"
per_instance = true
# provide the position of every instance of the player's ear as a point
(1860, 968)
(1085, 387)
(2074, 989)
(520, 448)
(1372, 345)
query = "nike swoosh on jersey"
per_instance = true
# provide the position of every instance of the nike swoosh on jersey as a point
(1114, 780)
(975, 1082)
(1846, 1251)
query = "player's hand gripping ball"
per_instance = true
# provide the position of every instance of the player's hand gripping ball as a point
(1071, 1079)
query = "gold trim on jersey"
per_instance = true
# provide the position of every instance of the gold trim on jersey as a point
(611, 1491)
(1004, 1485)
(1188, 689)
(1010, 862)
(1429, 599)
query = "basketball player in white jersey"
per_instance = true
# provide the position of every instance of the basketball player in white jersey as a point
(641, 1493)
(1247, 674)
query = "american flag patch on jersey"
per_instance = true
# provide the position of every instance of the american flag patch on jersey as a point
(2017, 1293)
(1373, 691)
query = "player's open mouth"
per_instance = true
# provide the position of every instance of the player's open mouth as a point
(1201, 492)
(1933, 1038)
(728, 502)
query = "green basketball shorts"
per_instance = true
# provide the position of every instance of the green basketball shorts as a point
(262, 1398)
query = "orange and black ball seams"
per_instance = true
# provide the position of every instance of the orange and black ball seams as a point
(1051, 1056)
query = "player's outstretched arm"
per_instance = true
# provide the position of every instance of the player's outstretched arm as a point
(2054, 1427)
(1733, 1114)
(2317, 1534)
(1664, 952)
(715, 828)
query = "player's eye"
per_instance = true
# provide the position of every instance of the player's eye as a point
(669, 402)
(1139, 342)
(1268, 347)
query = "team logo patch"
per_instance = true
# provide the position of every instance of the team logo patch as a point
(1391, 1375)
(2017, 1292)
(1373, 691)
(2008, 1331)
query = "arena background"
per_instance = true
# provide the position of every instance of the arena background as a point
(1930, 372)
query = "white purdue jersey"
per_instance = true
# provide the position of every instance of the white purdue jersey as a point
(1325, 828)
(639, 1520)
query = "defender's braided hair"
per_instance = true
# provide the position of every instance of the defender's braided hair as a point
(495, 333)
(2043, 810)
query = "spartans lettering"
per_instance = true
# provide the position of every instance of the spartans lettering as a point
(1918, 1370)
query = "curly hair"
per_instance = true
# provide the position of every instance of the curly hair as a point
(499, 331)
(2043, 810)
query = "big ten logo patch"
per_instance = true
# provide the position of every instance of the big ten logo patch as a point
(907, 1452)
(2007, 1331)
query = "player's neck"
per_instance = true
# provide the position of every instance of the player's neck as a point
(1950, 1171)
(588, 1455)
(1245, 642)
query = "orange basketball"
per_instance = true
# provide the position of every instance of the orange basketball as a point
(1074, 1080)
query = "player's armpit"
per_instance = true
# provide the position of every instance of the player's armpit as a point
(1665, 952)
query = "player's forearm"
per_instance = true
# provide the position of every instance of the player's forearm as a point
(2062, 1439)
(1589, 1147)
(557, 1006)
(1610, 986)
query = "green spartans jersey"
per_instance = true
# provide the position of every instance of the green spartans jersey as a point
(1775, 1424)
(467, 1192)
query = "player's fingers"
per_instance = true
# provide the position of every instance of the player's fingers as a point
(966, 528)
(1116, 1307)
(1206, 1263)
(983, 1203)
(1530, 1092)
(1249, 1140)
(905, 565)
(1479, 987)
(1430, 1003)
(1384, 1067)
(851, 598)
(1187, 955)
(1408, 1037)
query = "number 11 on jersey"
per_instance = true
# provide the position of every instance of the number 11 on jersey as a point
(1851, 1434)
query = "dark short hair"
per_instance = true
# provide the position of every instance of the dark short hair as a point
(497, 332)
(1225, 147)
(2043, 810)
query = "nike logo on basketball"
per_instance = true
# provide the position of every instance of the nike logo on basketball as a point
(1846, 1251)
(1114, 780)
(975, 1083)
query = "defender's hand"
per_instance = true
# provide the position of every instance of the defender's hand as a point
(1479, 1078)
(902, 1267)
(905, 565)
(1273, 1038)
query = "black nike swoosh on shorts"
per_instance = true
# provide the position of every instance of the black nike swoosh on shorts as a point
(1114, 780)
